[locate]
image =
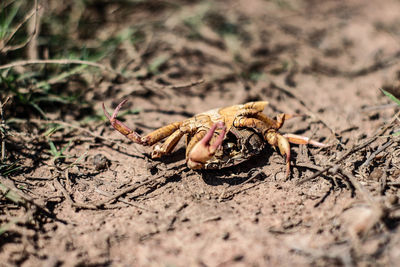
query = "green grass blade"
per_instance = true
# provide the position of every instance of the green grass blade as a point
(10, 194)
(65, 147)
(53, 149)
(392, 97)
(6, 21)
(11, 170)
(38, 109)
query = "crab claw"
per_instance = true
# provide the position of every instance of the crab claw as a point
(203, 150)
(120, 127)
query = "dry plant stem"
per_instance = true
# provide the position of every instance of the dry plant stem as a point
(358, 186)
(375, 153)
(318, 168)
(67, 196)
(179, 86)
(2, 135)
(34, 27)
(231, 193)
(378, 210)
(103, 204)
(168, 91)
(64, 191)
(58, 61)
(40, 121)
(78, 205)
(34, 11)
(351, 151)
(5, 3)
(129, 189)
(380, 107)
(134, 187)
(311, 113)
(393, 183)
(384, 176)
(33, 202)
(101, 192)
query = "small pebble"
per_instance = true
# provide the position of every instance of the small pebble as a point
(376, 174)
(100, 162)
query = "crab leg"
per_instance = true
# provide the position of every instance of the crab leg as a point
(275, 139)
(276, 124)
(303, 140)
(203, 150)
(170, 143)
(284, 148)
(119, 126)
(147, 140)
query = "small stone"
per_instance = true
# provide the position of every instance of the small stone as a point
(100, 162)
(376, 174)
(393, 199)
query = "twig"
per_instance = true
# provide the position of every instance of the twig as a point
(393, 183)
(212, 218)
(33, 27)
(127, 190)
(40, 121)
(5, 3)
(179, 86)
(236, 191)
(136, 186)
(2, 134)
(318, 168)
(308, 165)
(378, 210)
(334, 72)
(375, 153)
(34, 203)
(380, 107)
(64, 191)
(70, 200)
(313, 114)
(58, 61)
(358, 186)
(107, 194)
(171, 223)
(350, 152)
(384, 176)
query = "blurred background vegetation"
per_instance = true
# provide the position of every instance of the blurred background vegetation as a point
(43, 50)
(58, 59)
(53, 55)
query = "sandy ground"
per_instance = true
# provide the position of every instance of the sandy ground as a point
(323, 60)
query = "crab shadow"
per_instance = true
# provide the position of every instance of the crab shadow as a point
(233, 175)
(238, 174)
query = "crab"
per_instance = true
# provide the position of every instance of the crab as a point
(220, 137)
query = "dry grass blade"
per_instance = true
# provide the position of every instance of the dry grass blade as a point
(17, 195)
(2, 130)
(77, 127)
(34, 11)
(11, 194)
(58, 61)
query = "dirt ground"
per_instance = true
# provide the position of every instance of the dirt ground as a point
(109, 204)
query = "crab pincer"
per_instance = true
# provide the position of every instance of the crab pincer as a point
(120, 127)
(204, 150)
